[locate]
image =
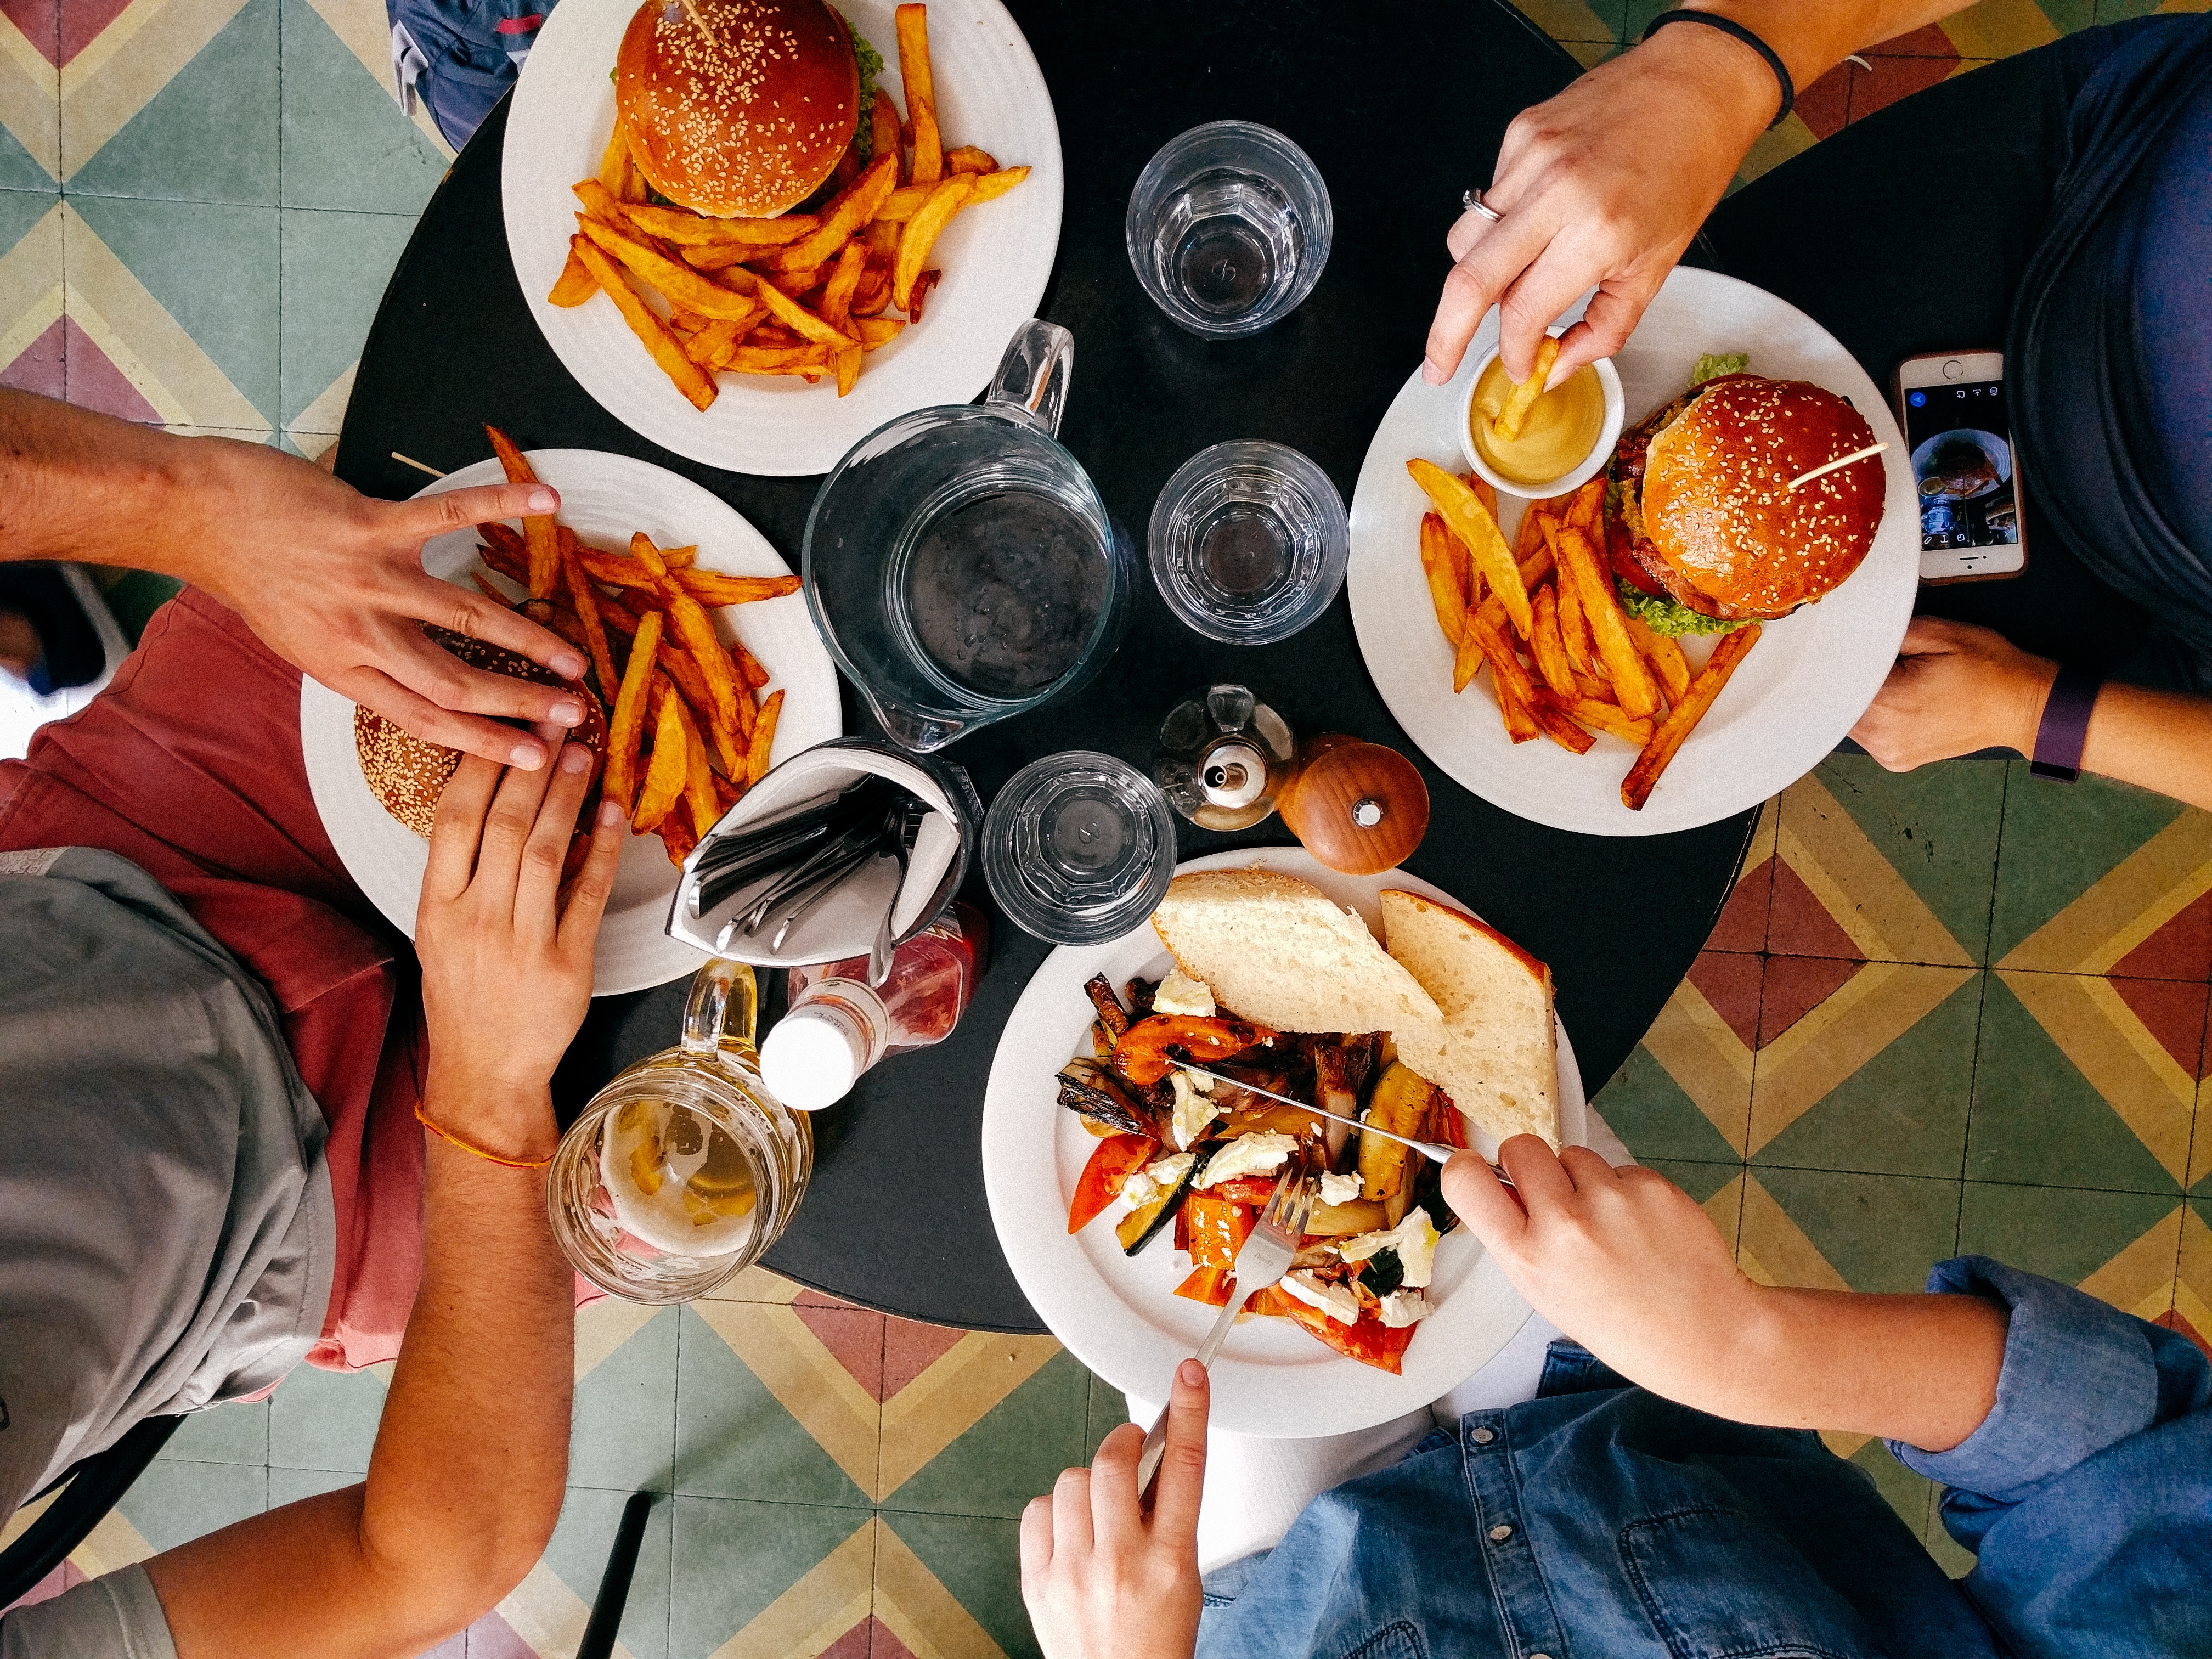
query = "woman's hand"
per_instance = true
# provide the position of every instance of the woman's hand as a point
(1603, 186)
(1103, 1579)
(1954, 689)
(506, 966)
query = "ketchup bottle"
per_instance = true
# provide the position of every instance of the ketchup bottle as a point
(837, 1026)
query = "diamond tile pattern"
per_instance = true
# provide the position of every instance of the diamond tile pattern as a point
(1952, 1010)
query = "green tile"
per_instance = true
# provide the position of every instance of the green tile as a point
(236, 1433)
(1912, 1496)
(1955, 1557)
(1938, 826)
(2119, 11)
(291, 1485)
(979, 1559)
(214, 268)
(137, 596)
(322, 1420)
(2068, 16)
(1656, 1119)
(18, 170)
(1700, 1180)
(1108, 1410)
(334, 266)
(734, 1439)
(731, 1559)
(346, 144)
(1905, 1112)
(2063, 1233)
(2038, 1120)
(578, 1553)
(2058, 842)
(1016, 1450)
(210, 135)
(1881, 1232)
(21, 208)
(624, 1437)
(171, 1504)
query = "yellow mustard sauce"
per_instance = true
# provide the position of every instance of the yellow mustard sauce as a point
(1562, 427)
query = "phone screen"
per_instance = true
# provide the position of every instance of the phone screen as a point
(1962, 439)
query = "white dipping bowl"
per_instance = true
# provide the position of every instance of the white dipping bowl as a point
(1608, 379)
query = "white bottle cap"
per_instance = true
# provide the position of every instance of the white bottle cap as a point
(812, 1058)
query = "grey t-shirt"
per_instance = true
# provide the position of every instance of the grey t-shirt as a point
(165, 1224)
(115, 1616)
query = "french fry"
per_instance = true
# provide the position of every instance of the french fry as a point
(763, 743)
(588, 613)
(913, 24)
(1606, 717)
(1467, 661)
(626, 726)
(713, 342)
(676, 837)
(838, 292)
(848, 211)
(683, 286)
(1532, 569)
(1445, 592)
(1522, 397)
(750, 668)
(690, 684)
(679, 558)
(1584, 506)
(883, 131)
(614, 160)
(484, 586)
(846, 361)
(707, 586)
(807, 360)
(989, 186)
(1465, 517)
(694, 629)
(1530, 536)
(877, 330)
(1546, 646)
(791, 315)
(1683, 719)
(1574, 632)
(968, 158)
(537, 529)
(1665, 656)
(1483, 492)
(574, 284)
(902, 203)
(689, 229)
(1593, 583)
(920, 232)
(502, 550)
(1511, 680)
(664, 778)
(922, 285)
(693, 381)
(698, 775)
(1550, 711)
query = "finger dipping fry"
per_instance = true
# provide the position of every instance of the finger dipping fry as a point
(1522, 397)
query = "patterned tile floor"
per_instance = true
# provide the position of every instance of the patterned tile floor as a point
(1953, 1011)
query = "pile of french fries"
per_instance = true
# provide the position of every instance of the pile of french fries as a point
(1589, 665)
(802, 293)
(686, 726)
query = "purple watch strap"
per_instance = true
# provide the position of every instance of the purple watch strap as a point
(2065, 725)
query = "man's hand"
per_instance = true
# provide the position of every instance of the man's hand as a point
(1603, 186)
(1101, 1577)
(1954, 689)
(507, 967)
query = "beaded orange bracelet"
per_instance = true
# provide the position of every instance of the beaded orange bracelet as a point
(453, 1140)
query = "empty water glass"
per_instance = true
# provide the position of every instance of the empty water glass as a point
(1248, 542)
(1229, 227)
(1079, 847)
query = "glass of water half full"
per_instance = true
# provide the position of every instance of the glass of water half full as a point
(1229, 227)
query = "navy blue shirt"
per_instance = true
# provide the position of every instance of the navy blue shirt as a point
(1598, 1519)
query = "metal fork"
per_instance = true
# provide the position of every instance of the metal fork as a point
(1261, 1260)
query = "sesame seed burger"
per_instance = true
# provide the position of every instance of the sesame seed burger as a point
(743, 109)
(1704, 533)
(408, 774)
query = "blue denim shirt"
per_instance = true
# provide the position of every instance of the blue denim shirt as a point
(1598, 1519)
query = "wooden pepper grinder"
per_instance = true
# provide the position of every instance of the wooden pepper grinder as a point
(1357, 806)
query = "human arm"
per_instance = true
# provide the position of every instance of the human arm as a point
(330, 580)
(1101, 1578)
(468, 1472)
(1605, 185)
(1631, 1266)
(1956, 689)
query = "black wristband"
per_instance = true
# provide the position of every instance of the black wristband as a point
(2064, 731)
(1728, 26)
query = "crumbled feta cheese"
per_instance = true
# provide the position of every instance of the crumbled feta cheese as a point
(1146, 1184)
(1337, 1301)
(1193, 1111)
(1140, 1188)
(1339, 1189)
(1403, 1308)
(1414, 1239)
(1257, 1153)
(1179, 994)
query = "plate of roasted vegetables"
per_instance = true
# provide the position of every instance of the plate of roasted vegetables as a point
(1122, 1184)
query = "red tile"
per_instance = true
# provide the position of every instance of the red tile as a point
(2173, 1013)
(886, 1645)
(854, 1338)
(2173, 1320)
(2180, 950)
(37, 367)
(38, 20)
(854, 1644)
(94, 382)
(1794, 986)
(1729, 981)
(1882, 81)
(1742, 925)
(1799, 925)
(1928, 42)
(82, 21)
(911, 1348)
(1826, 105)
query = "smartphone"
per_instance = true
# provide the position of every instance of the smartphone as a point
(1966, 473)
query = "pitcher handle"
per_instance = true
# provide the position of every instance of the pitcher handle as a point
(723, 1011)
(1031, 384)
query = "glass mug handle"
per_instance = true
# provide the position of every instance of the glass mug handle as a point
(1031, 384)
(723, 1011)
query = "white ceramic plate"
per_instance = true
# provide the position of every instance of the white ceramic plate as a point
(1118, 1314)
(996, 258)
(1801, 688)
(605, 499)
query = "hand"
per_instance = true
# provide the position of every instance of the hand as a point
(333, 581)
(1954, 689)
(1623, 1260)
(1100, 1577)
(1604, 184)
(507, 967)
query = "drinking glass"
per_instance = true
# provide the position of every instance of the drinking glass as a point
(683, 1169)
(1248, 542)
(1229, 227)
(1079, 847)
(961, 565)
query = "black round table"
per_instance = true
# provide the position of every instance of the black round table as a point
(1401, 107)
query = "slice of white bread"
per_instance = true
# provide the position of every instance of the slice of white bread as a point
(1277, 951)
(1496, 1054)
